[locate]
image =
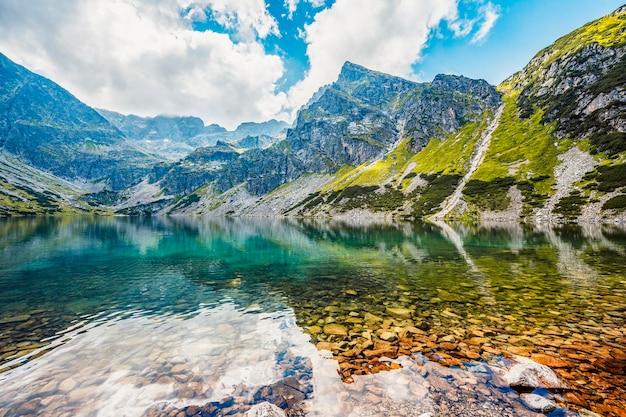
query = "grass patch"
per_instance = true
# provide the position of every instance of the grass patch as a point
(571, 206)
(522, 148)
(617, 203)
(432, 195)
(489, 195)
(451, 155)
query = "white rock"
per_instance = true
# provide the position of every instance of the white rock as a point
(265, 409)
(539, 403)
(530, 374)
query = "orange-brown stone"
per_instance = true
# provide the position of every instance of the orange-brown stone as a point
(549, 361)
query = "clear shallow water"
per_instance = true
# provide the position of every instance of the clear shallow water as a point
(121, 316)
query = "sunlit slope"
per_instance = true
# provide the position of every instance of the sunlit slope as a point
(557, 152)
(403, 182)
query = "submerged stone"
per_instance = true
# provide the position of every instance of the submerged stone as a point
(15, 319)
(525, 373)
(335, 329)
(400, 313)
(388, 336)
(371, 318)
(539, 403)
(315, 329)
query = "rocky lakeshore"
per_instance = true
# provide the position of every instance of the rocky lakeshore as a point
(585, 354)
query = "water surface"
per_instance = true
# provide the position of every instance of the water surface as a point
(124, 316)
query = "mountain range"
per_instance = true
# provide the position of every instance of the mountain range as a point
(547, 144)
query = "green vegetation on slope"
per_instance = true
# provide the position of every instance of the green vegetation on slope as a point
(432, 195)
(440, 166)
(489, 195)
(607, 31)
(391, 166)
(571, 206)
(522, 148)
(451, 155)
(24, 201)
(523, 152)
(617, 203)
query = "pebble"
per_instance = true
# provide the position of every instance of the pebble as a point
(583, 412)
(315, 329)
(401, 313)
(15, 319)
(388, 336)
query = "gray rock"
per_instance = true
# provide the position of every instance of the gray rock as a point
(265, 409)
(539, 403)
(526, 373)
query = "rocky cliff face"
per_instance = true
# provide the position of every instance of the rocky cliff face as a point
(365, 112)
(580, 83)
(43, 125)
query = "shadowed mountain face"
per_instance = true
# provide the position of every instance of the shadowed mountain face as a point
(45, 126)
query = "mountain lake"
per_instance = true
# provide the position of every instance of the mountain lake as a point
(120, 316)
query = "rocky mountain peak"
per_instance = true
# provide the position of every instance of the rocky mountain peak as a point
(351, 72)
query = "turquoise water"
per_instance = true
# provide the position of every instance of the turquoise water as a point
(98, 309)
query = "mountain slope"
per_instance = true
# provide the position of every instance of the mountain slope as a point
(43, 125)
(564, 123)
(556, 152)
(549, 144)
(357, 119)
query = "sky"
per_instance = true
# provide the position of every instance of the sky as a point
(234, 61)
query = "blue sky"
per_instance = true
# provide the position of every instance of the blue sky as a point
(523, 28)
(232, 61)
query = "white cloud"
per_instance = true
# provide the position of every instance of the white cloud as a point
(249, 18)
(142, 57)
(292, 5)
(485, 18)
(490, 14)
(386, 36)
(461, 27)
